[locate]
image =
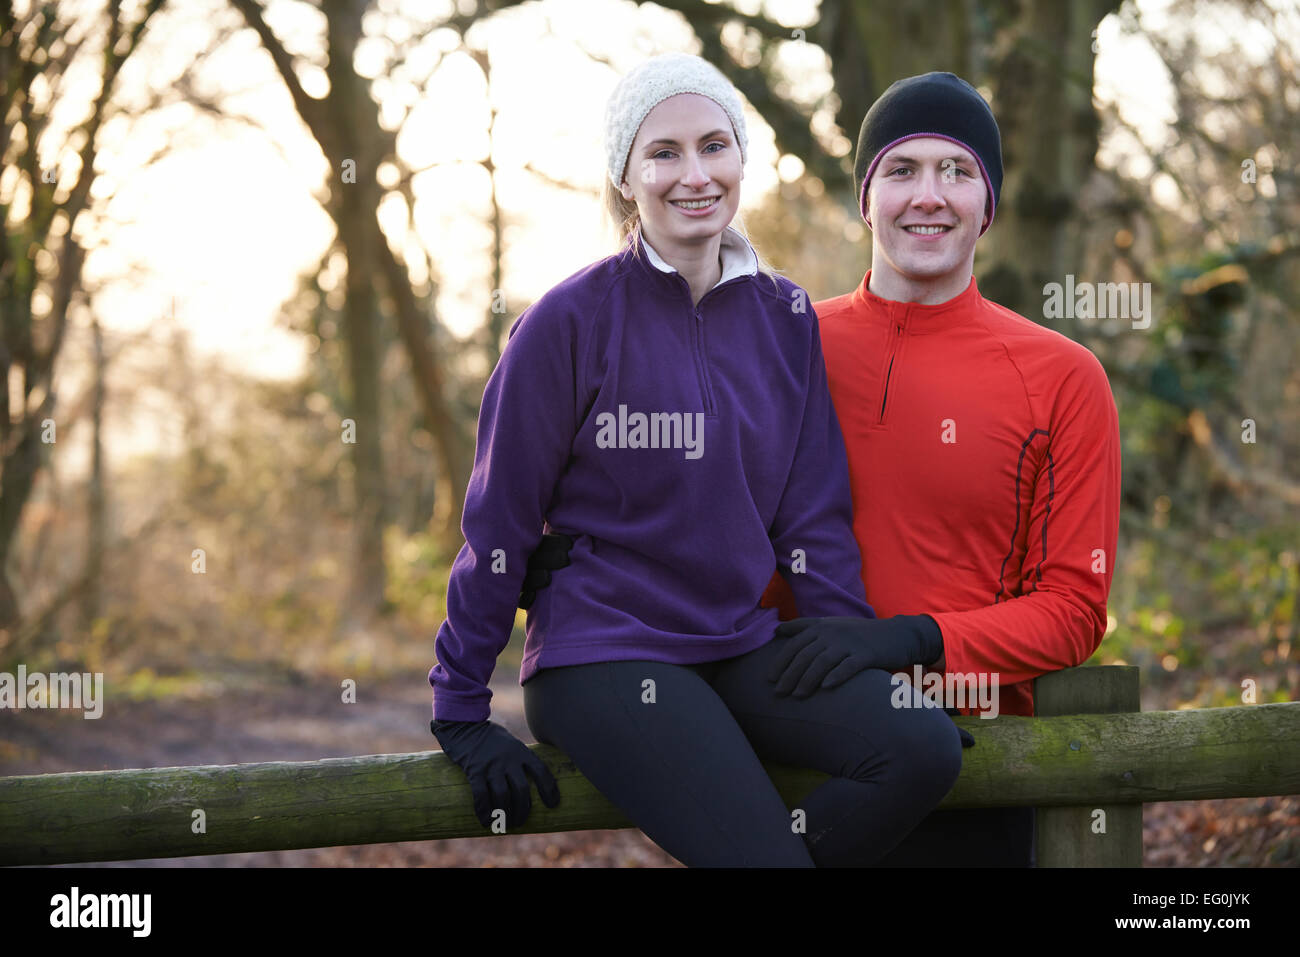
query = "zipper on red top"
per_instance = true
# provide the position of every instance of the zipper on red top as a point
(896, 324)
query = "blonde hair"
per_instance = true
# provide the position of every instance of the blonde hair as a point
(626, 219)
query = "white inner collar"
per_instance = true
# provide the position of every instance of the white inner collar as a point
(738, 256)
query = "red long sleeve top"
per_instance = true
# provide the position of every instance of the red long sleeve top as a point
(984, 460)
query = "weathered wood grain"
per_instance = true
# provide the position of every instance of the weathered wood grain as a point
(1075, 760)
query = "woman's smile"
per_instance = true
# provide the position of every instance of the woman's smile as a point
(696, 207)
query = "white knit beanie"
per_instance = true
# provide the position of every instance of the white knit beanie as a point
(652, 82)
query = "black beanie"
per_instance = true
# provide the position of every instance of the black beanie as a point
(932, 104)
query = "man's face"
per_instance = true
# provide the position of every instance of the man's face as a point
(684, 153)
(925, 206)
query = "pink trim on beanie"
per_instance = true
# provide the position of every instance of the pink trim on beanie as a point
(988, 183)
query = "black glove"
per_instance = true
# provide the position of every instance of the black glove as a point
(498, 766)
(826, 652)
(966, 740)
(552, 553)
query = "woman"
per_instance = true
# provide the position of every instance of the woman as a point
(667, 409)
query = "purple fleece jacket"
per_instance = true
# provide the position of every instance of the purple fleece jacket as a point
(688, 450)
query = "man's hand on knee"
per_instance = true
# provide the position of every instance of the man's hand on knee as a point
(826, 652)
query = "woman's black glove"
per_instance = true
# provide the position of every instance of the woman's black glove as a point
(552, 553)
(826, 652)
(498, 766)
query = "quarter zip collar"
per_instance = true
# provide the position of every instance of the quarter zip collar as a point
(738, 260)
(917, 319)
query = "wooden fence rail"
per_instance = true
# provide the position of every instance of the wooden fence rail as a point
(1074, 764)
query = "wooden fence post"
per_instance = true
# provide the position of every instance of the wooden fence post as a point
(1081, 836)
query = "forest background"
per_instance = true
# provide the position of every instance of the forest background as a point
(258, 260)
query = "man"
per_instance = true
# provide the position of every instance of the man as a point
(983, 448)
(983, 454)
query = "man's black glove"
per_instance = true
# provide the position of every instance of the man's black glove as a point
(552, 553)
(966, 740)
(498, 766)
(826, 652)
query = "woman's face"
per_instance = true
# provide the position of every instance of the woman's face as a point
(684, 172)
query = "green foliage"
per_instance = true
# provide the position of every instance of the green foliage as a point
(1201, 612)
(418, 570)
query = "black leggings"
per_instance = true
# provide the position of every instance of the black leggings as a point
(680, 757)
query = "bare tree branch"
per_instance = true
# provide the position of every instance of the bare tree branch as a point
(1232, 470)
(312, 111)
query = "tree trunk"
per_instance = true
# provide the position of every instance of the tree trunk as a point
(346, 126)
(448, 448)
(873, 44)
(356, 197)
(25, 43)
(1042, 97)
(91, 602)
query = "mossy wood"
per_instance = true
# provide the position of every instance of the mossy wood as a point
(1082, 760)
(1101, 835)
